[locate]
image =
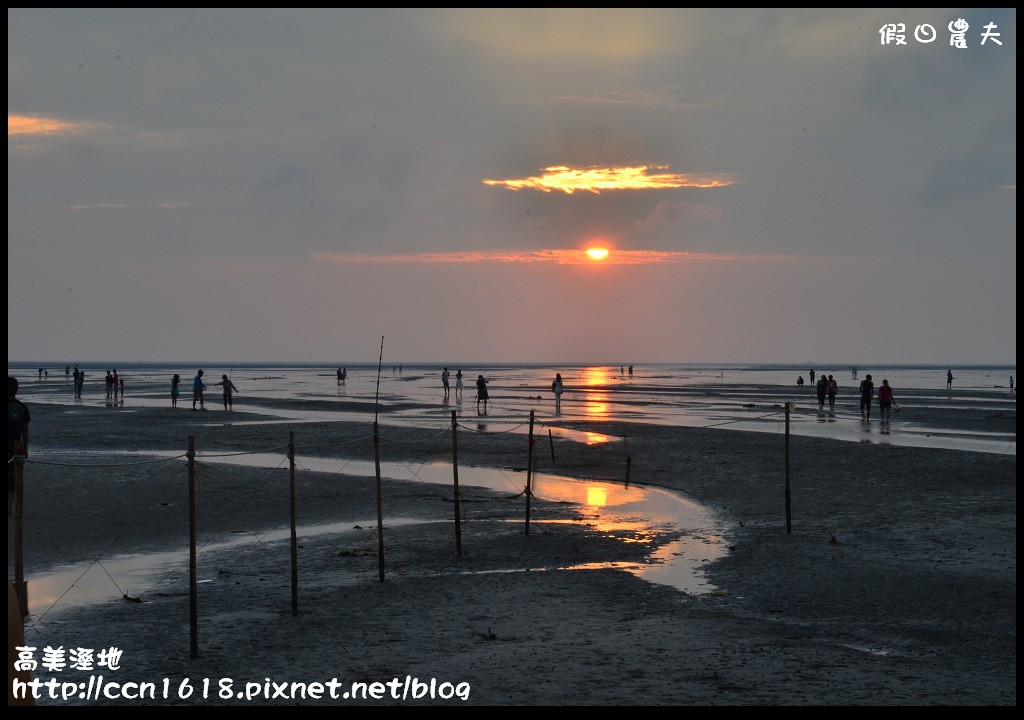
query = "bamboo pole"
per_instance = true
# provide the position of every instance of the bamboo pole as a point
(380, 506)
(295, 540)
(193, 617)
(20, 586)
(529, 475)
(455, 481)
(376, 460)
(789, 515)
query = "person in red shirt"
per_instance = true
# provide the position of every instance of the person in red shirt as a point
(885, 400)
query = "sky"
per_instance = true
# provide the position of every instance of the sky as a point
(422, 185)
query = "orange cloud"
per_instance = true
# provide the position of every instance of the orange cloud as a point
(596, 179)
(21, 125)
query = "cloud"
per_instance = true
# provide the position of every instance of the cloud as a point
(596, 179)
(19, 125)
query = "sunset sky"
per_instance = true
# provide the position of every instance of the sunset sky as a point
(252, 185)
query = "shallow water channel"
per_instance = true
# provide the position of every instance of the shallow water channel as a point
(607, 507)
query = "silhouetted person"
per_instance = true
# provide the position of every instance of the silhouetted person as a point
(867, 393)
(885, 401)
(198, 388)
(481, 392)
(229, 388)
(557, 388)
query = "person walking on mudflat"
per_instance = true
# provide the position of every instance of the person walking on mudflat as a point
(867, 393)
(885, 401)
(481, 393)
(198, 388)
(821, 390)
(229, 388)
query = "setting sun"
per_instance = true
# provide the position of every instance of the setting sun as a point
(597, 253)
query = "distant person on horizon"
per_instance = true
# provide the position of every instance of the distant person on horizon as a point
(885, 401)
(340, 376)
(229, 388)
(867, 394)
(631, 371)
(175, 390)
(481, 393)
(117, 383)
(444, 381)
(949, 379)
(79, 378)
(1011, 383)
(811, 373)
(198, 388)
(833, 390)
(800, 380)
(458, 384)
(109, 384)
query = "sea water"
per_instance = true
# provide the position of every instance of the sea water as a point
(977, 414)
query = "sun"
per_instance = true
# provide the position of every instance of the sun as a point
(597, 253)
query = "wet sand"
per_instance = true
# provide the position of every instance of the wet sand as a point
(894, 584)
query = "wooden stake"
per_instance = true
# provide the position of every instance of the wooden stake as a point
(789, 515)
(193, 617)
(529, 475)
(20, 586)
(380, 506)
(295, 540)
(455, 481)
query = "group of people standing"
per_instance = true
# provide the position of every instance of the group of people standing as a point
(826, 388)
(459, 383)
(482, 396)
(481, 387)
(199, 391)
(114, 384)
(886, 399)
(79, 377)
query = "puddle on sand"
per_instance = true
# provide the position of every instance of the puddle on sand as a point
(609, 507)
(68, 586)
